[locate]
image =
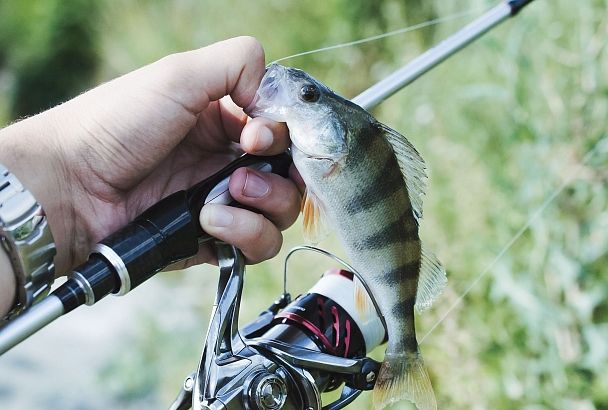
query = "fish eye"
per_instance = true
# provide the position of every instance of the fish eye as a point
(309, 93)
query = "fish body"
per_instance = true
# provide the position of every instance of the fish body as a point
(356, 172)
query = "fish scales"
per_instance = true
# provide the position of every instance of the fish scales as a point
(387, 235)
(361, 176)
(396, 246)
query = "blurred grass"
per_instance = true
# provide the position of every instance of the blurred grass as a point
(501, 125)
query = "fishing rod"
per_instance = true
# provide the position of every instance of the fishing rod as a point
(169, 231)
(404, 76)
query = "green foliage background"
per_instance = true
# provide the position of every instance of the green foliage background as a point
(502, 126)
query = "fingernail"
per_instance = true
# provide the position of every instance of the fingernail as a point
(265, 139)
(255, 186)
(217, 216)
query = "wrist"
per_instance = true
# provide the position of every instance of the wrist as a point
(29, 150)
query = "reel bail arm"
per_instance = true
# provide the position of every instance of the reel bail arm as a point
(223, 341)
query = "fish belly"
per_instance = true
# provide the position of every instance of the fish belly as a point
(370, 208)
(386, 251)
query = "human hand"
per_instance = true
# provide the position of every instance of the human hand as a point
(99, 160)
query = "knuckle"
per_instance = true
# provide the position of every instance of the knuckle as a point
(252, 47)
(275, 247)
(258, 225)
(172, 64)
(171, 60)
(286, 216)
(259, 241)
(266, 249)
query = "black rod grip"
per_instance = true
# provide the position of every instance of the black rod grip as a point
(167, 232)
(101, 279)
(71, 295)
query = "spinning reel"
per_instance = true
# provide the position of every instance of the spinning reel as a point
(289, 355)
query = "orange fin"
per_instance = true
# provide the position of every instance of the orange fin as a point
(314, 218)
(404, 377)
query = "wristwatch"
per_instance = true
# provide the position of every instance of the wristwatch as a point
(26, 237)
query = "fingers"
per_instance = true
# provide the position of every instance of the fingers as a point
(216, 128)
(126, 127)
(253, 234)
(276, 197)
(233, 67)
(295, 176)
(232, 119)
(262, 136)
(258, 236)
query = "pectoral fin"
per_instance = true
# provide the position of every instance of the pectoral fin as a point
(315, 227)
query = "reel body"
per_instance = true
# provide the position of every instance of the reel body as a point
(289, 355)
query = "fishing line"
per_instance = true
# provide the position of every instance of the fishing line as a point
(603, 144)
(385, 35)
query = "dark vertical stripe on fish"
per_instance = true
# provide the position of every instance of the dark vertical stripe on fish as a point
(367, 139)
(402, 273)
(374, 161)
(405, 309)
(403, 229)
(384, 185)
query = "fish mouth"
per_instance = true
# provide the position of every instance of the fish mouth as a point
(331, 158)
(269, 93)
(269, 85)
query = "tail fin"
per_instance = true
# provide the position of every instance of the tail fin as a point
(404, 377)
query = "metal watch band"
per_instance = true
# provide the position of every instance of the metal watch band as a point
(26, 237)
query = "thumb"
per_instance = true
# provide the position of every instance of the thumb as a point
(194, 78)
(130, 124)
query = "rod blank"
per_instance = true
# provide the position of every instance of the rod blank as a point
(380, 91)
(38, 316)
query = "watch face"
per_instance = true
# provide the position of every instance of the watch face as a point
(24, 230)
(27, 228)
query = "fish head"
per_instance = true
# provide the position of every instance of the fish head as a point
(309, 108)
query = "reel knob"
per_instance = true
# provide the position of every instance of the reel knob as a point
(267, 391)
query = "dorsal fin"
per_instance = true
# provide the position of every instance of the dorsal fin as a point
(315, 227)
(431, 281)
(412, 167)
